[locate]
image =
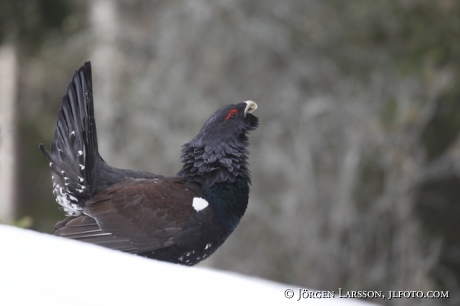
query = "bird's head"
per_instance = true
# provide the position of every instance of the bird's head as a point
(228, 124)
(218, 152)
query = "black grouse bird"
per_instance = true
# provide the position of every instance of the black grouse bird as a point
(180, 219)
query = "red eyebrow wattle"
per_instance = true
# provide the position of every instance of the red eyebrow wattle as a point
(230, 113)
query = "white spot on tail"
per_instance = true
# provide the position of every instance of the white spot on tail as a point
(81, 179)
(82, 167)
(73, 133)
(199, 203)
(207, 246)
(67, 201)
(80, 153)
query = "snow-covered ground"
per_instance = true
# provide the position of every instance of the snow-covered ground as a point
(40, 269)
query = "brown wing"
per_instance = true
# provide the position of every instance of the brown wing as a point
(135, 215)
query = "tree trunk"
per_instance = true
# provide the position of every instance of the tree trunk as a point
(8, 83)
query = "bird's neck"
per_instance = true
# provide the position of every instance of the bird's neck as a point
(229, 201)
(224, 164)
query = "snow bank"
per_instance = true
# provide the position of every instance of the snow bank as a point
(40, 269)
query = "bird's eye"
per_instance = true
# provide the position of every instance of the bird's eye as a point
(232, 114)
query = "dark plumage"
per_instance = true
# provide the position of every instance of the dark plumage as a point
(181, 219)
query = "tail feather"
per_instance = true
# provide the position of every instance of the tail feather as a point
(74, 150)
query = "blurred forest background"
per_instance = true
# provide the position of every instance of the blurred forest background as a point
(356, 164)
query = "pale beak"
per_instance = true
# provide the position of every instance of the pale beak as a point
(250, 107)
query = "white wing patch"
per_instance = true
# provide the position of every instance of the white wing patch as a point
(199, 204)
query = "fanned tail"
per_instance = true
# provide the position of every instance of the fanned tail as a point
(74, 149)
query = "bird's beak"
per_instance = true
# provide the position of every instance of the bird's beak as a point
(250, 107)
